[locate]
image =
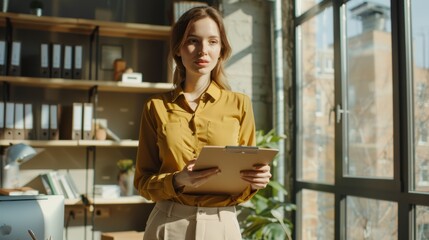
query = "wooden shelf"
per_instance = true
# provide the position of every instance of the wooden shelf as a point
(72, 143)
(86, 26)
(103, 86)
(110, 201)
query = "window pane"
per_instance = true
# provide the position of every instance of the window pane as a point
(420, 41)
(422, 223)
(318, 210)
(303, 5)
(369, 110)
(371, 219)
(316, 98)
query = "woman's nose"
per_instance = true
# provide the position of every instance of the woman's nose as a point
(203, 49)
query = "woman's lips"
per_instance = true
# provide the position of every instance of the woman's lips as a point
(202, 62)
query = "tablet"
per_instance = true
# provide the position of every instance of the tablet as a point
(230, 160)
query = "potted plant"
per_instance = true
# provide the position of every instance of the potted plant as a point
(263, 217)
(126, 176)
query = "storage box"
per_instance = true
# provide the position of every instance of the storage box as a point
(132, 77)
(127, 235)
(107, 191)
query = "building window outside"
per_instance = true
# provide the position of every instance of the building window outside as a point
(423, 174)
(423, 133)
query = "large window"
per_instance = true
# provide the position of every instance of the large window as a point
(362, 117)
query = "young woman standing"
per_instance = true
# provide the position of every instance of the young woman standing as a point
(201, 110)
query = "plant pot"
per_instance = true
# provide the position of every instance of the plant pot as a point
(125, 182)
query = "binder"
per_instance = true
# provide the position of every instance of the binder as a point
(55, 184)
(15, 60)
(71, 122)
(18, 131)
(29, 133)
(3, 57)
(87, 120)
(54, 118)
(67, 63)
(2, 117)
(44, 60)
(9, 120)
(56, 60)
(44, 122)
(77, 62)
(46, 184)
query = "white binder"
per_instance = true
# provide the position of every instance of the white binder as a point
(44, 122)
(87, 120)
(18, 131)
(9, 120)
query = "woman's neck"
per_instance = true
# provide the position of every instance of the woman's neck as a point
(193, 88)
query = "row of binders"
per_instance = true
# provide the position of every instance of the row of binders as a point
(21, 121)
(56, 60)
(56, 183)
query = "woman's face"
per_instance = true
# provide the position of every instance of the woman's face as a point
(201, 49)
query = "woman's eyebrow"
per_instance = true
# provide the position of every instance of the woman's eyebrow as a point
(196, 36)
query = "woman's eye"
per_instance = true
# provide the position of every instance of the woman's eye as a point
(192, 40)
(213, 42)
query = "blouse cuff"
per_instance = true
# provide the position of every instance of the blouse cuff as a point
(169, 187)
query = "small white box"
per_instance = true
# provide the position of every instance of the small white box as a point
(107, 191)
(132, 77)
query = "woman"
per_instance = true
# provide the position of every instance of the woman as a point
(201, 110)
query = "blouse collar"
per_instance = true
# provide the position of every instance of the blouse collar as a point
(213, 91)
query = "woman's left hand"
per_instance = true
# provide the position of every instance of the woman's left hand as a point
(258, 177)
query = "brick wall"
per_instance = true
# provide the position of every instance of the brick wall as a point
(249, 68)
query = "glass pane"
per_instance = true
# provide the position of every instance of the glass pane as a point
(318, 211)
(316, 98)
(422, 223)
(371, 219)
(369, 110)
(303, 5)
(420, 41)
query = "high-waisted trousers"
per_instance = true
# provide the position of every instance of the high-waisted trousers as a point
(174, 221)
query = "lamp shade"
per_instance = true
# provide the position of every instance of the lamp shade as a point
(19, 153)
(14, 156)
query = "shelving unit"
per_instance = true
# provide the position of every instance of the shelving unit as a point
(85, 26)
(87, 29)
(72, 143)
(102, 86)
(110, 201)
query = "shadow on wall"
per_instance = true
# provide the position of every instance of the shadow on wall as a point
(249, 68)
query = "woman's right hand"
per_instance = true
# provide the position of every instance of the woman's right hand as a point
(188, 177)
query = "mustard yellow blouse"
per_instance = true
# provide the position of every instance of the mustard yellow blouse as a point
(171, 134)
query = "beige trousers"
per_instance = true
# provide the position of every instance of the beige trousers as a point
(174, 221)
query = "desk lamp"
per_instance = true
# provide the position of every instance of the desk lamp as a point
(14, 156)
